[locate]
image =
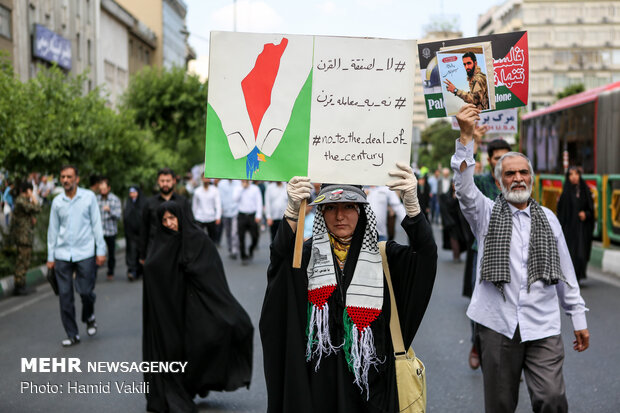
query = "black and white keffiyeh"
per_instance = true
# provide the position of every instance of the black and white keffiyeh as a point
(543, 257)
(364, 300)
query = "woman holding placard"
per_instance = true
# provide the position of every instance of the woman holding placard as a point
(325, 326)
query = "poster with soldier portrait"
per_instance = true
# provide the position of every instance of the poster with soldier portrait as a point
(507, 88)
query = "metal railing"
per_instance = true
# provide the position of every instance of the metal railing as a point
(605, 195)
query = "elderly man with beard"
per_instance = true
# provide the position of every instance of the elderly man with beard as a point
(478, 93)
(166, 182)
(524, 274)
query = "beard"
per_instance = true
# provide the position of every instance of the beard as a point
(166, 189)
(517, 196)
(470, 72)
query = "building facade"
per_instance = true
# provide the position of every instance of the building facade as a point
(570, 42)
(127, 45)
(6, 28)
(61, 32)
(166, 18)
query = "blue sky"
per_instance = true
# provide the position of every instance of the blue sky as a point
(397, 19)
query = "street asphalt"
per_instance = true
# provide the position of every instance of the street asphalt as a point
(30, 327)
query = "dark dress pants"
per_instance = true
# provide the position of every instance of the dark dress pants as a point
(85, 276)
(502, 360)
(247, 223)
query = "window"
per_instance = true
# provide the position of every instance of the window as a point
(89, 50)
(78, 47)
(5, 22)
(147, 56)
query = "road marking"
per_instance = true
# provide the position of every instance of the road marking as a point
(26, 303)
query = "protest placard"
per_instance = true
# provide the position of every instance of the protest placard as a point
(463, 71)
(510, 70)
(336, 109)
(499, 121)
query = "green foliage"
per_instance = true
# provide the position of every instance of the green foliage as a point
(437, 145)
(171, 104)
(570, 90)
(49, 121)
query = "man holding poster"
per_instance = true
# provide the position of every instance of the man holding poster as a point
(325, 326)
(478, 91)
(524, 274)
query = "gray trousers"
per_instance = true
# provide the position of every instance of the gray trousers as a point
(502, 360)
(85, 277)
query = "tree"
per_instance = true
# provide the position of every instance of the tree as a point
(172, 105)
(438, 140)
(49, 121)
(570, 90)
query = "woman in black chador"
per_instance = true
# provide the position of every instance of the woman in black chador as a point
(576, 214)
(325, 326)
(190, 315)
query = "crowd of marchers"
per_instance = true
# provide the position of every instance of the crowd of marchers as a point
(325, 327)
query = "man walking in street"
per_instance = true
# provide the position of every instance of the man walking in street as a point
(110, 208)
(230, 192)
(250, 215)
(74, 236)
(207, 208)
(166, 182)
(486, 184)
(22, 234)
(276, 200)
(524, 274)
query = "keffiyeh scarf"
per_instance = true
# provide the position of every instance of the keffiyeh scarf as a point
(364, 301)
(543, 258)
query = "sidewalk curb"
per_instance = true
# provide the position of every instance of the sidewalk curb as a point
(606, 259)
(36, 275)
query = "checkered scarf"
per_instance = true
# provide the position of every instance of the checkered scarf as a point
(543, 258)
(364, 300)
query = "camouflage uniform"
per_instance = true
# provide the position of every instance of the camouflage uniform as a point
(22, 234)
(478, 94)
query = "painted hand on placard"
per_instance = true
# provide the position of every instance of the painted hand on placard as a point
(264, 96)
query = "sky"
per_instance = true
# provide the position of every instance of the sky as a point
(395, 19)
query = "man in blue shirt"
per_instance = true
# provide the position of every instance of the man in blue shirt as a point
(74, 236)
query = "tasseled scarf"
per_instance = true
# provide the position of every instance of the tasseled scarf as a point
(364, 298)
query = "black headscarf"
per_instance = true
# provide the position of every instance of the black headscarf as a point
(187, 298)
(132, 215)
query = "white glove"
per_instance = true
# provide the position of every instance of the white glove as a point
(408, 186)
(297, 189)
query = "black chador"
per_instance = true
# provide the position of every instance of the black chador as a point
(295, 384)
(189, 314)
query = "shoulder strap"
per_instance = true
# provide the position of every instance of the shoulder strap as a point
(397, 336)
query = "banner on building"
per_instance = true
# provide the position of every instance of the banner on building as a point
(336, 109)
(510, 72)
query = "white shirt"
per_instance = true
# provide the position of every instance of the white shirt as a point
(206, 204)
(536, 312)
(251, 201)
(230, 191)
(379, 197)
(276, 200)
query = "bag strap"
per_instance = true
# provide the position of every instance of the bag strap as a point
(397, 335)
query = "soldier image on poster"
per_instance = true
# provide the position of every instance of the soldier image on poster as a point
(478, 92)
